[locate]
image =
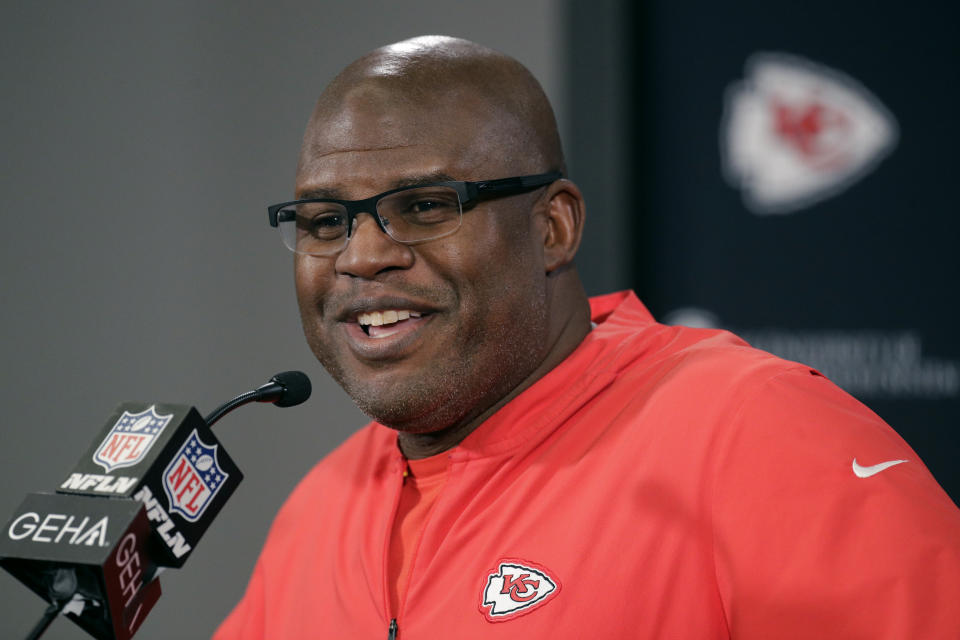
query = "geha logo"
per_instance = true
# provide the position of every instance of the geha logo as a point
(795, 133)
(516, 587)
(130, 439)
(59, 528)
(129, 578)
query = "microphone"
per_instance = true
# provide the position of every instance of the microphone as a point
(167, 478)
(286, 389)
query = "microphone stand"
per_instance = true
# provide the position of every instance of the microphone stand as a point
(61, 592)
(48, 617)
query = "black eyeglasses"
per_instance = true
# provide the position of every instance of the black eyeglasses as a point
(322, 226)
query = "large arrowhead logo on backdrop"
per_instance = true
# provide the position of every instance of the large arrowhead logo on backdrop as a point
(795, 133)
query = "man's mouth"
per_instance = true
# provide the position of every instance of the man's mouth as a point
(381, 324)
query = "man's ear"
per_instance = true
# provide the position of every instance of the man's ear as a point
(564, 214)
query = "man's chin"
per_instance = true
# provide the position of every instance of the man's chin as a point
(413, 409)
(408, 416)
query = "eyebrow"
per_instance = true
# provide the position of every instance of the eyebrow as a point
(407, 181)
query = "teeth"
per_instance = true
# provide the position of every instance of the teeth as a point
(379, 318)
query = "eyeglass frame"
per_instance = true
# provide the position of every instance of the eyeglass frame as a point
(468, 192)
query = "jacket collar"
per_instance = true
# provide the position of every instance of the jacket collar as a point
(590, 368)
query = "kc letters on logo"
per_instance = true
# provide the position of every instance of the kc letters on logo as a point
(515, 588)
(130, 439)
(193, 477)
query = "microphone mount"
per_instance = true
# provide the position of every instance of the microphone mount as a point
(119, 577)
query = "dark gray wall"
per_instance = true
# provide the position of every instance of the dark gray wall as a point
(140, 144)
(600, 76)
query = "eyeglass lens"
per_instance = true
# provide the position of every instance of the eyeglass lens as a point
(411, 215)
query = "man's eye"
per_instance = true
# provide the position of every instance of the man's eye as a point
(327, 221)
(419, 207)
(422, 206)
(429, 212)
(425, 206)
(323, 225)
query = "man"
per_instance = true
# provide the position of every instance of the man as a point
(542, 465)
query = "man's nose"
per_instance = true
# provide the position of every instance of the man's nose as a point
(370, 251)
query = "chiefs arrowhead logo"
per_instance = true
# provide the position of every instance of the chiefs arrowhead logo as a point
(795, 133)
(514, 588)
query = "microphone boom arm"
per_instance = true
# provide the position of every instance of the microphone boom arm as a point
(285, 389)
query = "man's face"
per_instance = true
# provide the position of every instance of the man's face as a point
(476, 299)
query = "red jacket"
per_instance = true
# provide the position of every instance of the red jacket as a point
(661, 482)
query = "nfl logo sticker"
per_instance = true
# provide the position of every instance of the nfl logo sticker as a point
(130, 439)
(193, 477)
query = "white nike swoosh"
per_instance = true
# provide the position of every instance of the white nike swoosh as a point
(866, 472)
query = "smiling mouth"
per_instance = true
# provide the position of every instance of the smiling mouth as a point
(382, 324)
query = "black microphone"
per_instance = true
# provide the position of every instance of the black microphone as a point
(167, 478)
(286, 389)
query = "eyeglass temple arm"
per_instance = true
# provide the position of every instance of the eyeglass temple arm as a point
(504, 186)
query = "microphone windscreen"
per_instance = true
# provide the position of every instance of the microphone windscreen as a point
(296, 388)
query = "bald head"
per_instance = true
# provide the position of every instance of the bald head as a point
(439, 85)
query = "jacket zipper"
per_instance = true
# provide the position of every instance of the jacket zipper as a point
(392, 629)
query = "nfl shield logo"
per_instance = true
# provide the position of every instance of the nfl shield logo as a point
(130, 439)
(193, 477)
